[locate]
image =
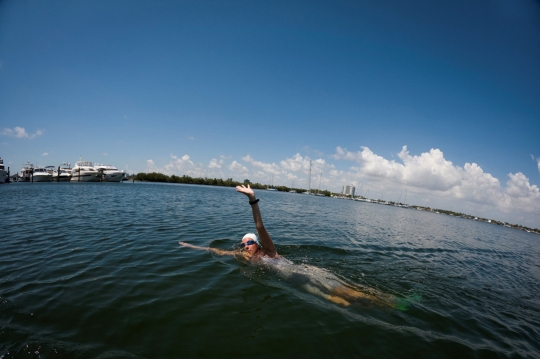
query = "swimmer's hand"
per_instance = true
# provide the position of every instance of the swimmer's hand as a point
(221, 252)
(247, 191)
(191, 246)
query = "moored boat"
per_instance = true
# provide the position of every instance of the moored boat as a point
(26, 172)
(84, 171)
(40, 174)
(62, 173)
(110, 173)
(3, 172)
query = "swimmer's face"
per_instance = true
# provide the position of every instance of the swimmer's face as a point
(250, 248)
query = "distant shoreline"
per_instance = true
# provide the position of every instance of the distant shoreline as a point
(160, 177)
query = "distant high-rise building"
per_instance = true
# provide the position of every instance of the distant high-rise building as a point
(348, 190)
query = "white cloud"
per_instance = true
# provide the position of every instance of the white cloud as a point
(214, 163)
(45, 154)
(178, 163)
(105, 154)
(296, 164)
(429, 178)
(151, 166)
(237, 167)
(537, 160)
(428, 171)
(20, 132)
(185, 166)
(521, 192)
(191, 138)
(432, 177)
(271, 168)
(478, 186)
(284, 172)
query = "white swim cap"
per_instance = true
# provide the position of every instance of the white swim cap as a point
(254, 237)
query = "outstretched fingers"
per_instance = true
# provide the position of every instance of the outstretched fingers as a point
(186, 244)
(245, 190)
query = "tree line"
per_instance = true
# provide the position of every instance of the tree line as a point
(160, 177)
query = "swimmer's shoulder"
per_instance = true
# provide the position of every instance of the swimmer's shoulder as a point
(270, 254)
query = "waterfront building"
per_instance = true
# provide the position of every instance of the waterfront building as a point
(348, 190)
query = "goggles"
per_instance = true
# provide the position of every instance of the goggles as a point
(248, 243)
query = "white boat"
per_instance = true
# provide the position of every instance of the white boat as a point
(3, 172)
(41, 175)
(62, 173)
(110, 173)
(84, 171)
(26, 172)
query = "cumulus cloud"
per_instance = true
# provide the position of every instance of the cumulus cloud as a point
(45, 154)
(237, 167)
(214, 163)
(429, 177)
(151, 166)
(296, 163)
(184, 165)
(431, 174)
(271, 168)
(519, 189)
(20, 132)
(430, 170)
(478, 187)
(537, 160)
(179, 163)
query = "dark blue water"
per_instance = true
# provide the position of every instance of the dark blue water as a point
(95, 271)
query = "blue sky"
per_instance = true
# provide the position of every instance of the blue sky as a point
(256, 89)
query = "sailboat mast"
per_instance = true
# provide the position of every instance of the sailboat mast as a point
(309, 183)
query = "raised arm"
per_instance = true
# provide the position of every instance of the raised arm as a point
(268, 245)
(221, 252)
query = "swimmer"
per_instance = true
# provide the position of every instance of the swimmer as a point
(251, 247)
(312, 279)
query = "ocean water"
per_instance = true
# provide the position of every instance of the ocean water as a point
(94, 270)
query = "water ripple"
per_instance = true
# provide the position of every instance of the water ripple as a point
(95, 271)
